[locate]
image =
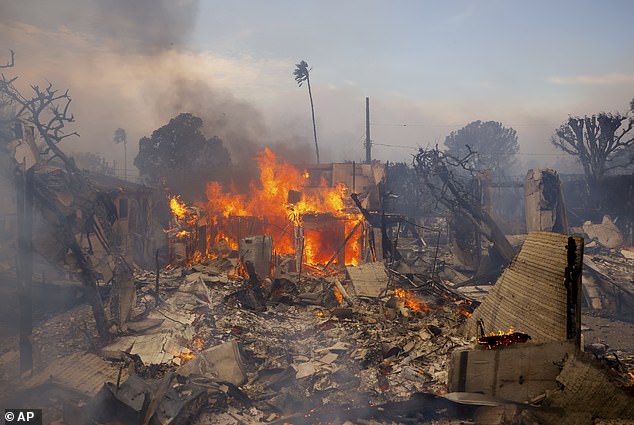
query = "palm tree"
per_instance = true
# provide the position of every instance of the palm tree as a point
(302, 74)
(120, 136)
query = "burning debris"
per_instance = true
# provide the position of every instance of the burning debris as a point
(307, 217)
(502, 339)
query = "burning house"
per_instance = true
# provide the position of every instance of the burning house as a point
(306, 210)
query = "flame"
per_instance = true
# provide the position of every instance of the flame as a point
(338, 294)
(185, 356)
(463, 312)
(410, 300)
(178, 207)
(502, 339)
(631, 375)
(269, 212)
(502, 333)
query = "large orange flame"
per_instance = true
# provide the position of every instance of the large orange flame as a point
(267, 203)
(411, 301)
(178, 207)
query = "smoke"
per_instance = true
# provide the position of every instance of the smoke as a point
(127, 65)
(242, 127)
(236, 122)
(139, 25)
(151, 25)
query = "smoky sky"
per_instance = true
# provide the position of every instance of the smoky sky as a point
(145, 25)
(239, 124)
(132, 35)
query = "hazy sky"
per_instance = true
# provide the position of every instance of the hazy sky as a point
(429, 67)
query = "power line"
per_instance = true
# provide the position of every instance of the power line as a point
(439, 125)
(488, 154)
(395, 146)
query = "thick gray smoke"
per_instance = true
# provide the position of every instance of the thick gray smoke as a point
(142, 25)
(127, 64)
(238, 123)
(148, 24)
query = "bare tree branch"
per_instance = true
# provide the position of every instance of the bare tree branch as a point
(47, 110)
(439, 172)
(596, 141)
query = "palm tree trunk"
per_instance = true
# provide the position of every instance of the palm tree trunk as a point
(312, 110)
(125, 161)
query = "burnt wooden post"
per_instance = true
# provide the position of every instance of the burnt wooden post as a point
(572, 282)
(156, 282)
(24, 264)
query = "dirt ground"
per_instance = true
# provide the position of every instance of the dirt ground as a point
(617, 335)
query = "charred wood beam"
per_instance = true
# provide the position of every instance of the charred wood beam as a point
(24, 197)
(254, 283)
(156, 282)
(343, 291)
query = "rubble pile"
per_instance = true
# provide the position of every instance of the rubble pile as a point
(302, 351)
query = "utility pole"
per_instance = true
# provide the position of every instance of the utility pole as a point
(368, 141)
(125, 160)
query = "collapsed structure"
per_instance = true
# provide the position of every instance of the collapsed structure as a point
(308, 301)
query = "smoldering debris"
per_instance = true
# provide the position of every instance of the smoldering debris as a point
(202, 356)
(291, 358)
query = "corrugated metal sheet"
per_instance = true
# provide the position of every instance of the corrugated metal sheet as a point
(530, 296)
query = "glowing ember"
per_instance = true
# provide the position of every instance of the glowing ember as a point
(463, 312)
(185, 356)
(410, 300)
(631, 375)
(501, 338)
(338, 295)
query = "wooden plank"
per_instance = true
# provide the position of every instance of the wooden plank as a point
(369, 279)
(83, 372)
(515, 373)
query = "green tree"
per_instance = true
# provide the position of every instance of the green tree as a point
(179, 156)
(494, 145)
(598, 142)
(302, 73)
